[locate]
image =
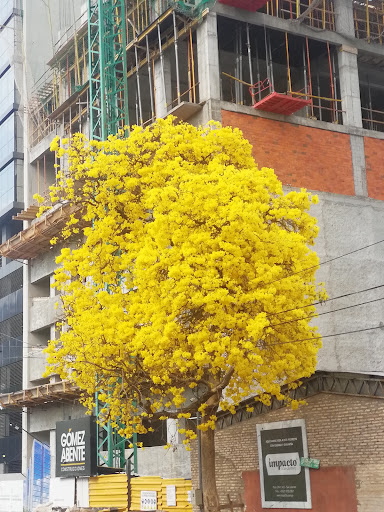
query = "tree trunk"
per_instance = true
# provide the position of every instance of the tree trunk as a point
(210, 495)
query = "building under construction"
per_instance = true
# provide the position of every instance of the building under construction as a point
(304, 81)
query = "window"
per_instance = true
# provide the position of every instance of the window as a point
(7, 185)
(7, 88)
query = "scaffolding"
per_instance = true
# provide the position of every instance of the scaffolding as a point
(36, 239)
(277, 72)
(63, 391)
(124, 46)
(368, 16)
(318, 14)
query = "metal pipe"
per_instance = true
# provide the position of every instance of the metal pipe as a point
(199, 454)
(271, 61)
(45, 176)
(193, 67)
(249, 58)
(138, 86)
(150, 78)
(309, 73)
(288, 64)
(335, 85)
(370, 104)
(176, 58)
(305, 72)
(257, 65)
(241, 64)
(237, 85)
(319, 91)
(162, 63)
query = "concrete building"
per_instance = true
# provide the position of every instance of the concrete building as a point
(315, 115)
(11, 202)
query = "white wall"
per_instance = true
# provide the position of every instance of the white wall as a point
(11, 493)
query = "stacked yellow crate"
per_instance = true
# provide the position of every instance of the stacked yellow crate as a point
(182, 488)
(145, 483)
(109, 491)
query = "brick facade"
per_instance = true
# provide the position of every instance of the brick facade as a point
(374, 158)
(342, 431)
(316, 159)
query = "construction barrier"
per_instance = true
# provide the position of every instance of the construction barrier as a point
(147, 493)
(109, 491)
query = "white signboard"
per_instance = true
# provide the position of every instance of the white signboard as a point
(171, 495)
(148, 500)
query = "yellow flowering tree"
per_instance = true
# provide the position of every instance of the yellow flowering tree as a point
(185, 266)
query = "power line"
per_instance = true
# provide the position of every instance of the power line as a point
(326, 300)
(327, 312)
(325, 262)
(327, 336)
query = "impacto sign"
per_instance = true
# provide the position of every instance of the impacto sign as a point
(284, 482)
(76, 447)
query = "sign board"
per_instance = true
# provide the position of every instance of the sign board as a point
(171, 495)
(306, 462)
(76, 447)
(284, 483)
(148, 500)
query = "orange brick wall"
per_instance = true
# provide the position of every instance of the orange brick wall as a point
(374, 161)
(315, 159)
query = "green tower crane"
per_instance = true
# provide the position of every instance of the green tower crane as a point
(108, 93)
(107, 58)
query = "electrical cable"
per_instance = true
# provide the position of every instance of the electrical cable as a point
(327, 312)
(327, 336)
(325, 262)
(326, 300)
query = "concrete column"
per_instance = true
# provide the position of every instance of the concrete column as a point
(349, 86)
(344, 17)
(358, 164)
(52, 445)
(163, 86)
(208, 68)
(208, 59)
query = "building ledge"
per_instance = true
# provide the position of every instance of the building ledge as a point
(349, 384)
(62, 391)
(36, 239)
(185, 110)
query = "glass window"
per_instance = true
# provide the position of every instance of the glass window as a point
(5, 10)
(7, 186)
(7, 138)
(7, 94)
(7, 41)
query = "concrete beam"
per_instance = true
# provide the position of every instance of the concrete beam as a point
(303, 121)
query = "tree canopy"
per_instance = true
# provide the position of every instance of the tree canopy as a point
(184, 274)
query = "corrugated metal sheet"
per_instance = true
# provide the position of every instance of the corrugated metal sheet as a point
(112, 491)
(182, 488)
(108, 491)
(145, 483)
